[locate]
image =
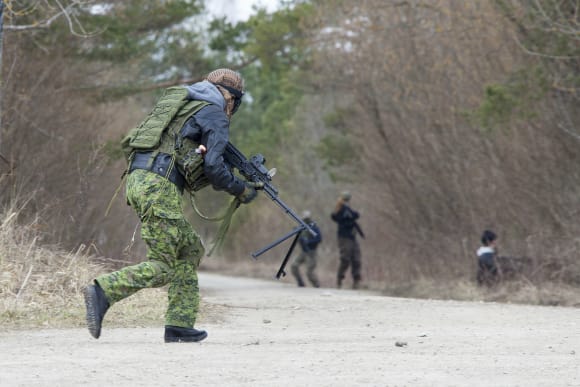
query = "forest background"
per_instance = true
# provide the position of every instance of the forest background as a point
(442, 117)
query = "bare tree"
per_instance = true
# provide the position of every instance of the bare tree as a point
(549, 32)
(42, 14)
(37, 15)
(404, 74)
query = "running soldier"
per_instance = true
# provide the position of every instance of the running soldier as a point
(179, 146)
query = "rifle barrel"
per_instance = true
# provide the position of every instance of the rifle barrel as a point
(289, 211)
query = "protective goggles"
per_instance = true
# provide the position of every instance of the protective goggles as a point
(237, 96)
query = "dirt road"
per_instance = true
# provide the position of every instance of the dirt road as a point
(265, 333)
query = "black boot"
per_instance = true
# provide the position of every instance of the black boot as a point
(97, 305)
(183, 335)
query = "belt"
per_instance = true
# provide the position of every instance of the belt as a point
(159, 165)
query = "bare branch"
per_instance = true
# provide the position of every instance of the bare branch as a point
(56, 10)
(535, 53)
(43, 24)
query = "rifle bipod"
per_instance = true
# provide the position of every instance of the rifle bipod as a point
(296, 233)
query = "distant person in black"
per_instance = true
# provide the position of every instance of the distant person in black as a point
(347, 244)
(487, 269)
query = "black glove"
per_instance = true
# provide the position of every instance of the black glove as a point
(249, 193)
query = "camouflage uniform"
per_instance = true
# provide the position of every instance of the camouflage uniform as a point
(174, 250)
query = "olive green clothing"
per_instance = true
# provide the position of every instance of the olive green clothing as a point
(189, 128)
(174, 250)
(309, 258)
(182, 119)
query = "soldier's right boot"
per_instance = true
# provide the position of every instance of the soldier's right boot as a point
(175, 334)
(97, 305)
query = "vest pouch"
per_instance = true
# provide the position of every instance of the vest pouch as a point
(191, 166)
(148, 134)
(126, 147)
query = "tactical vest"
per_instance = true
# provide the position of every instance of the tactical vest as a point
(159, 132)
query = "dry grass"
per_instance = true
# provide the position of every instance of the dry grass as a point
(38, 285)
(41, 286)
(518, 291)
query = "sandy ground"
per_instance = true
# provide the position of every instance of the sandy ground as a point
(264, 333)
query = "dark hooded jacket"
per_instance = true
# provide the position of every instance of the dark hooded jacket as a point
(346, 218)
(210, 127)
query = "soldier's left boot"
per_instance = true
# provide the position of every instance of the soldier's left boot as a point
(175, 334)
(97, 305)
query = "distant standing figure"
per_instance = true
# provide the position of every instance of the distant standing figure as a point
(348, 246)
(309, 244)
(487, 268)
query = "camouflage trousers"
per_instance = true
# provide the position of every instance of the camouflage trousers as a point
(308, 258)
(174, 250)
(349, 256)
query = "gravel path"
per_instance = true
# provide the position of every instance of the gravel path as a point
(266, 333)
